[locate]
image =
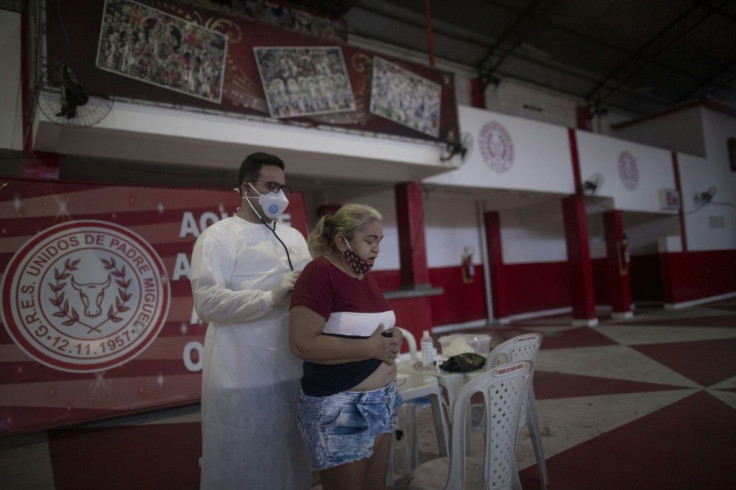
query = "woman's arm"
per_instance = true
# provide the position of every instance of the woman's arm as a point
(307, 341)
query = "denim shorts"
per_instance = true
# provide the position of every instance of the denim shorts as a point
(341, 428)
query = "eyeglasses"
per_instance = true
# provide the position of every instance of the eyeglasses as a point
(276, 187)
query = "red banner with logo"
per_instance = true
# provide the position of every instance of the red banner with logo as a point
(118, 54)
(97, 312)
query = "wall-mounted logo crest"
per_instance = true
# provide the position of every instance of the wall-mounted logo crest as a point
(496, 147)
(628, 170)
(85, 296)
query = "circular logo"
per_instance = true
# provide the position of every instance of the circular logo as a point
(273, 208)
(85, 296)
(496, 147)
(628, 170)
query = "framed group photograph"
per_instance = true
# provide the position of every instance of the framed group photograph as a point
(405, 97)
(149, 45)
(304, 81)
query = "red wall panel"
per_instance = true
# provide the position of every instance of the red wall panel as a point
(461, 302)
(546, 285)
(675, 277)
(538, 286)
(695, 275)
(646, 278)
(387, 280)
(413, 314)
(600, 281)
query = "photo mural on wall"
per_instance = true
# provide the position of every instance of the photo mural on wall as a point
(304, 81)
(152, 46)
(184, 54)
(404, 97)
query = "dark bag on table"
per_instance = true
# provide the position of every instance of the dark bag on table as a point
(463, 363)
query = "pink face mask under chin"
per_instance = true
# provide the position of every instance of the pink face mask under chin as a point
(359, 266)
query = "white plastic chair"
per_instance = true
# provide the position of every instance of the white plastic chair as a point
(414, 388)
(504, 389)
(522, 348)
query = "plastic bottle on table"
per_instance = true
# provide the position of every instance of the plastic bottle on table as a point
(427, 350)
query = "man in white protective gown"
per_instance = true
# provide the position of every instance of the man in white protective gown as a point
(243, 271)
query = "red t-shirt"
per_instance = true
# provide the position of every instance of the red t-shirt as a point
(352, 308)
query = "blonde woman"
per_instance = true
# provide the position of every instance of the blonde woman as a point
(342, 326)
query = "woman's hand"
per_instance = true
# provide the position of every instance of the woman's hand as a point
(385, 348)
(398, 335)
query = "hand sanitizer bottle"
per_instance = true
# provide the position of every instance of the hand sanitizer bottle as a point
(427, 350)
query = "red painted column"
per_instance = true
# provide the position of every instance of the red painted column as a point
(413, 313)
(412, 243)
(25, 76)
(617, 265)
(575, 157)
(36, 165)
(668, 275)
(477, 95)
(578, 258)
(678, 186)
(327, 210)
(671, 275)
(583, 119)
(499, 291)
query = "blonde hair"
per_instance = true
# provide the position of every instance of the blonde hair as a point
(346, 221)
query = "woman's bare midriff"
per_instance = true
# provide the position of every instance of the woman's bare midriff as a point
(382, 376)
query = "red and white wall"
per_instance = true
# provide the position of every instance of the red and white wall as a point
(702, 262)
(632, 178)
(676, 257)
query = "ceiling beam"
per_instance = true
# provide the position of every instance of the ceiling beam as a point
(528, 17)
(513, 37)
(666, 37)
(653, 61)
(568, 70)
(722, 80)
(440, 30)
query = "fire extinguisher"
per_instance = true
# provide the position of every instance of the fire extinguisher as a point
(468, 268)
(623, 255)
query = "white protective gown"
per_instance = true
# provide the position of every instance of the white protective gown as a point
(250, 380)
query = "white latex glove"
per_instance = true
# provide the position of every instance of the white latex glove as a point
(285, 286)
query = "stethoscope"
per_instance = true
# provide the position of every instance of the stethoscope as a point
(273, 230)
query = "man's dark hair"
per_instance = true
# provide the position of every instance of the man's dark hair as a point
(250, 169)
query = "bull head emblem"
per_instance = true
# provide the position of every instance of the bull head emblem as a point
(91, 295)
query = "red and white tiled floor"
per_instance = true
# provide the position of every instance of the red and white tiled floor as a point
(645, 403)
